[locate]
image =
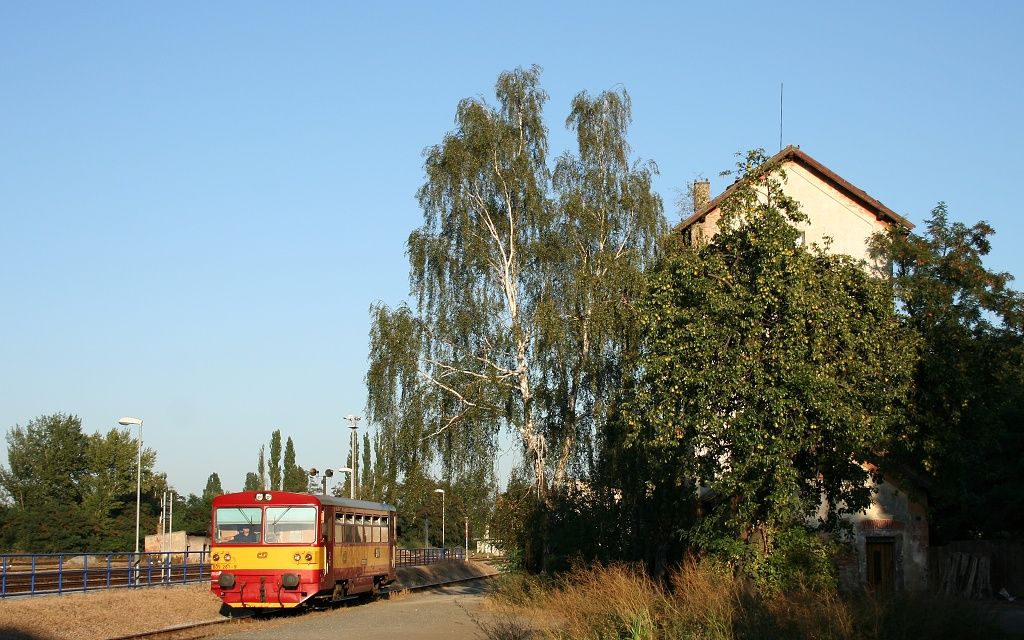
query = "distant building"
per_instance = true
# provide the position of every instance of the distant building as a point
(890, 540)
(176, 542)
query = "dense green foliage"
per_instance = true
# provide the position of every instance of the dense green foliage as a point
(767, 374)
(968, 406)
(70, 491)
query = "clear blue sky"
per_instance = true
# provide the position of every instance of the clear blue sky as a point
(199, 201)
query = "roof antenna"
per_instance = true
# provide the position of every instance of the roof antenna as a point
(780, 116)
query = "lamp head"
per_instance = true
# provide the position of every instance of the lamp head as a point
(441, 491)
(127, 420)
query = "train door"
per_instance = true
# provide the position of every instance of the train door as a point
(327, 538)
(363, 526)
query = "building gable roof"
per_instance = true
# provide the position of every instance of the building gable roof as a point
(795, 154)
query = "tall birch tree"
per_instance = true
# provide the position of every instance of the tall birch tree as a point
(515, 302)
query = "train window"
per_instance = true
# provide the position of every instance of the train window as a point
(339, 528)
(291, 525)
(376, 528)
(385, 529)
(237, 524)
(350, 528)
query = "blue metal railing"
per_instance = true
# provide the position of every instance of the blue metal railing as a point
(414, 557)
(39, 573)
(54, 573)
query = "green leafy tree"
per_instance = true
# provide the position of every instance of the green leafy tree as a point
(520, 286)
(213, 488)
(252, 482)
(275, 460)
(968, 401)
(608, 223)
(194, 517)
(295, 478)
(47, 460)
(75, 492)
(108, 490)
(768, 373)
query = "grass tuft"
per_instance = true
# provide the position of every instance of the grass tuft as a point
(707, 601)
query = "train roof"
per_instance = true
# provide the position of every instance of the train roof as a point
(284, 497)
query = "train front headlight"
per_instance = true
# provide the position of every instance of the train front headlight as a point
(309, 557)
(297, 557)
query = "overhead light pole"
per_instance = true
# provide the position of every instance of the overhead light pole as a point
(353, 424)
(441, 491)
(127, 421)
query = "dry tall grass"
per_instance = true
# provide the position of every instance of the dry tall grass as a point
(706, 601)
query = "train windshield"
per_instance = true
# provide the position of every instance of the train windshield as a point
(238, 524)
(291, 525)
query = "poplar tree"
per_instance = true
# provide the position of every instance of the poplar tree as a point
(261, 468)
(275, 460)
(367, 488)
(295, 478)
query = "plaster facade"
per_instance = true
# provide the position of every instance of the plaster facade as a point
(840, 217)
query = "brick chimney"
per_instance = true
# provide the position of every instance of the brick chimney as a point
(701, 194)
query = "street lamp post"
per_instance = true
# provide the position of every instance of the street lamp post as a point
(353, 425)
(441, 491)
(126, 421)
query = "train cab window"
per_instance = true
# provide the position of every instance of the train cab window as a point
(291, 525)
(235, 525)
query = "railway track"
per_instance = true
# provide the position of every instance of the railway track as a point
(221, 626)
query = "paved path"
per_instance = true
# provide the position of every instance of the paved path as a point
(441, 613)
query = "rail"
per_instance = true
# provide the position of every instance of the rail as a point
(55, 573)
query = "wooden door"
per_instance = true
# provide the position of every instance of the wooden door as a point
(881, 554)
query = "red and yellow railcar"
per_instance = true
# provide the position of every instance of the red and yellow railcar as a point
(277, 549)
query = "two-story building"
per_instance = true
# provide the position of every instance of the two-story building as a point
(890, 539)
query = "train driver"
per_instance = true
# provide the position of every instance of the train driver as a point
(246, 534)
